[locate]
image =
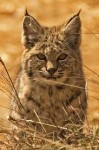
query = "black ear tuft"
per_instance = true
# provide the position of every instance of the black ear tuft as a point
(76, 15)
(78, 12)
(26, 12)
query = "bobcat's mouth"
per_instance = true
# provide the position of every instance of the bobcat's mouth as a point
(52, 77)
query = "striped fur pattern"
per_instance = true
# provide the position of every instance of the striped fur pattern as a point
(51, 80)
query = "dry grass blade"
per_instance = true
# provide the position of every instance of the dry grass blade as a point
(40, 121)
(85, 66)
(17, 97)
(56, 82)
(94, 81)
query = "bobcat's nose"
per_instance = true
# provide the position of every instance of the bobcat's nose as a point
(51, 68)
(51, 71)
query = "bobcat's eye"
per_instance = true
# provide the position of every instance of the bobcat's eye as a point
(62, 57)
(41, 56)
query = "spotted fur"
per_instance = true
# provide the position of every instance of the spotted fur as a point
(51, 81)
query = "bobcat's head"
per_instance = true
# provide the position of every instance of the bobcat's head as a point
(50, 51)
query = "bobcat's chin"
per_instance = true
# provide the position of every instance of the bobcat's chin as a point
(53, 80)
(48, 76)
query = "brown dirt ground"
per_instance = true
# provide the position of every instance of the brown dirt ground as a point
(50, 12)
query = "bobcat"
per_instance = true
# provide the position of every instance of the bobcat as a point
(51, 82)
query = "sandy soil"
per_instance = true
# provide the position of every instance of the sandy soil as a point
(50, 12)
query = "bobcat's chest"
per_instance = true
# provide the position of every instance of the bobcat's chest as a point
(46, 102)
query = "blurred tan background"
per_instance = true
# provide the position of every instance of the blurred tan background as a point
(50, 12)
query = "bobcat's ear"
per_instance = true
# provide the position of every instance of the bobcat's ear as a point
(32, 31)
(72, 31)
